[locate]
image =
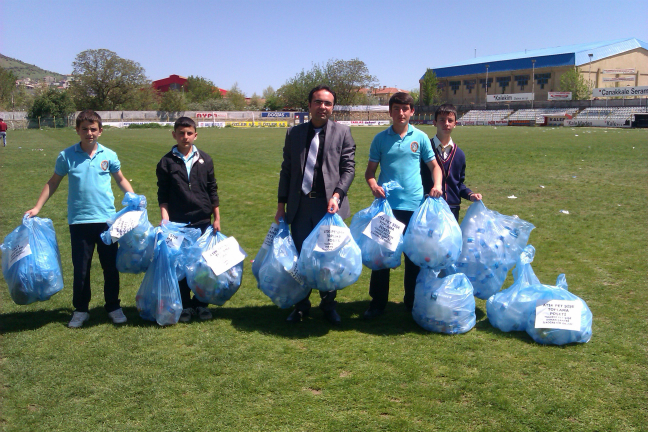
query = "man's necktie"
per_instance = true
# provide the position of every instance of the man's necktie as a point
(307, 183)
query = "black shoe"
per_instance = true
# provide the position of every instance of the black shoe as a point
(373, 313)
(332, 316)
(296, 316)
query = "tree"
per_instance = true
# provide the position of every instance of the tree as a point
(236, 97)
(173, 101)
(573, 81)
(430, 94)
(199, 89)
(273, 102)
(7, 87)
(105, 81)
(255, 103)
(295, 91)
(345, 77)
(52, 103)
(415, 93)
(146, 99)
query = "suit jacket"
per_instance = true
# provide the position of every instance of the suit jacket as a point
(338, 165)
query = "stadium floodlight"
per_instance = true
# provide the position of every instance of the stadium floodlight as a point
(486, 84)
(533, 82)
(589, 77)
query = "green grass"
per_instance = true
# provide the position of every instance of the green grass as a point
(249, 370)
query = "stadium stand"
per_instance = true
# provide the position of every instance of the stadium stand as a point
(621, 113)
(538, 113)
(485, 115)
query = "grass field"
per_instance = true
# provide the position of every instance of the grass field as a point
(247, 369)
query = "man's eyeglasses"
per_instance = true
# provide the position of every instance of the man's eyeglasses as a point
(321, 102)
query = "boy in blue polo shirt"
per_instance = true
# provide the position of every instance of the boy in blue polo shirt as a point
(399, 150)
(91, 203)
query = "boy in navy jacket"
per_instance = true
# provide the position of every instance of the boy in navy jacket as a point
(187, 193)
(451, 159)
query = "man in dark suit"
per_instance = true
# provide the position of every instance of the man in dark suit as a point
(317, 169)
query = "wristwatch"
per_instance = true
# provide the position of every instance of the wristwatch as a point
(337, 200)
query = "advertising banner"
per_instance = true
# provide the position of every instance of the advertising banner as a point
(498, 123)
(259, 124)
(620, 91)
(555, 120)
(365, 122)
(596, 123)
(275, 114)
(619, 71)
(211, 115)
(615, 79)
(513, 97)
(211, 124)
(521, 122)
(559, 96)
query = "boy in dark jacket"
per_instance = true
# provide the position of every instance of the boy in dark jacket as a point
(187, 193)
(451, 159)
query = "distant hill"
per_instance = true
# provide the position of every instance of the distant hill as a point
(24, 70)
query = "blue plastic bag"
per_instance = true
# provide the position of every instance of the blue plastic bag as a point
(279, 277)
(492, 242)
(206, 285)
(433, 238)
(158, 298)
(508, 310)
(179, 240)
(375, 255)
(559, 336)
(330, 259)
(31, 263)
(263, 252)
(135, 234)
(444, 305)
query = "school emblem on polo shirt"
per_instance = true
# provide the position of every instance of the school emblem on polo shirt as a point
(414, 146)
(104, 165)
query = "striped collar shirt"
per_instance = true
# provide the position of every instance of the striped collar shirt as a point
(443, 151)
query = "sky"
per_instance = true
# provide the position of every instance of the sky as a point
(263, 43)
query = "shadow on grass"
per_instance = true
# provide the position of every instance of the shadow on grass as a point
(264, 319)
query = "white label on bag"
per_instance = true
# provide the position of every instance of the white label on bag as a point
(294, 273)
(224, 256)
(174, 241)
(331, 237)
(125, 223)
(21, 250)
(558, 314)
(385, 230)
(272, 232)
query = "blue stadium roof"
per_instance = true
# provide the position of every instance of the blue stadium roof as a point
(570, 55)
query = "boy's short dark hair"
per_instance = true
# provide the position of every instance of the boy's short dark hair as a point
(446, 109)
(184, 122)
(89, 116)
(401, 98)
(322, 87)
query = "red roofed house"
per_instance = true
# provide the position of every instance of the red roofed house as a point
(384, 93)
(172, 82)
(175, 82)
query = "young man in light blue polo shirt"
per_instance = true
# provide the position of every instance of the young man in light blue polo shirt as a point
(399, 151)
(89, 167)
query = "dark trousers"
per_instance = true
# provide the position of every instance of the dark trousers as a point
(379, 283)
(185, 291)
(310, 213)
(84, 237)
(455, 212)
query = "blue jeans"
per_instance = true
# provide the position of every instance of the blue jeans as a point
(4, 138)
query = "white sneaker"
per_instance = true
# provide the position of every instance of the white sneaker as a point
(203, 313)
(78, 318)
(117, 316)
(185, 315)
